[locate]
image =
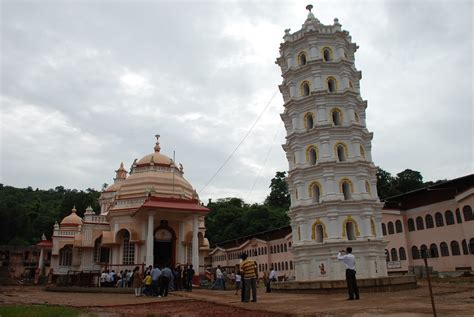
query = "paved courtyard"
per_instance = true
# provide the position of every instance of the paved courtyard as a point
(451, 300)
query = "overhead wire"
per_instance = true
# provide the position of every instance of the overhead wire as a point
(240, 143)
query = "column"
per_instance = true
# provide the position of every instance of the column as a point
(181, 246)
(149, 241)
(195, 244)
(41, 262)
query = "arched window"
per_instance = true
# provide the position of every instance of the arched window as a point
(332, 84)
(356, 117)
(467, 211)
(101, 253)
(419, 223)
(439, 219)
(398, 226)
(350, 230)
(128, 256)
(448, 214)
(65, 256)
(465, 249)
(384, 229)
(305, 88)
(434, 251)
(302, 58)
(471, 246)
(391, 229)
(286, 265)
(424, 251)
(281, 247)
(444, 249)
(291, 265)
(312, 155)
(415, 254)
(394, 254)
(429, 221)
(458, 216)
(336, 116)
(327, 54)
(341, 152)
(308, 120)
(346, 190)
(367, 187)
(315, 192)
(403, 255)
(319, 233)
(411, 225)
(362, 151)
(387, 255)
(455, 248)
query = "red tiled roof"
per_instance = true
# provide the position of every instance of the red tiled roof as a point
(45, 243)
(174, 204)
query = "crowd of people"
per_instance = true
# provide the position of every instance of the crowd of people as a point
(155, 281)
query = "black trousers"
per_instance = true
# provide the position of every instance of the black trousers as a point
(352, 288)
(165, 282)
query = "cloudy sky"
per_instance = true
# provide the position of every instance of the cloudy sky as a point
(87, 84)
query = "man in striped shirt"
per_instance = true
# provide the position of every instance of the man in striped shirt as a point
(250, 273)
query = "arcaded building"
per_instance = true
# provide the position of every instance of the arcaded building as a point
(436, 221)
(150, 216)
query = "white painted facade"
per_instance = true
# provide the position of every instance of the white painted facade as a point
(331, 178)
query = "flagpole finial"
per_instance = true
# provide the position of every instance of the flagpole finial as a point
(309, 7)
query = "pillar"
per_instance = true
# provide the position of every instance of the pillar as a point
(41, 262)
(195, 244)
(181, 245)
(149, 241)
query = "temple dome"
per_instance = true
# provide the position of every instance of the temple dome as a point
(155, 158)
(72, 220)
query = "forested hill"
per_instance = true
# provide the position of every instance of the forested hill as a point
(27, 213)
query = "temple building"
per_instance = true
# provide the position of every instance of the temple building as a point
(331, 177)
(150, 216)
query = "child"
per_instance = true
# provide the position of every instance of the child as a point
(238, 282)
(147, 280)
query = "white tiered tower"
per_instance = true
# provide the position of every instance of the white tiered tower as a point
(331, 178)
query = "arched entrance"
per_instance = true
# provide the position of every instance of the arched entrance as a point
(164, 245)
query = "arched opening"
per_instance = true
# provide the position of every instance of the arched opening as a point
(331, 85)
(65, 256)
(312, 155)
(164, 244)
(449, 217)
(302, 59)
(101, 253)
(439, 219)
(346, 190)
(467, 211)
(434, 251)
(309, 122)
(315, 192)
(341, 153)
(444, 249)
(458, 216)
(424, 251)
(455, 250)
(411, 225)
(305, 89)
(415, 254)
(336, 117)
(384, 229)
(362, 151)
(128, 248)
(391, 229)
(398, 226)
(394, 254)
(429, 221)
(403, 255)
(465, 249)
(419, 223)
(327, 54)
(350, 230)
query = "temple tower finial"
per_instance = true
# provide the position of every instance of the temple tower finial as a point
(157, 144)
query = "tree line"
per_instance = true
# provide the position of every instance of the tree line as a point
(26, 213)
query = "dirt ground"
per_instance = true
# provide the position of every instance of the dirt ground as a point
(450, 299)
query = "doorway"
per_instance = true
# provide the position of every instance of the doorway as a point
(163, 247)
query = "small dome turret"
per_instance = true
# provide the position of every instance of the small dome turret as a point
(72, 220)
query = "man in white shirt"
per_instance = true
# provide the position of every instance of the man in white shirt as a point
(272, 277)
(349, 261)
(220, 278)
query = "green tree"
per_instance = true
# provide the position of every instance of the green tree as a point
(279, 196)
(409, 180)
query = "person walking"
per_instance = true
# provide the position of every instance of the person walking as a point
(272, 277)
(349, 261)
(249, 269)
(166, 277)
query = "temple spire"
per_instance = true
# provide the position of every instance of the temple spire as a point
(157, 144)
